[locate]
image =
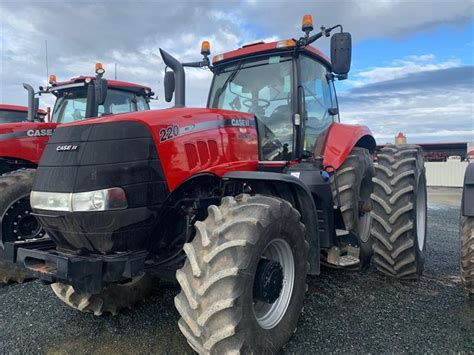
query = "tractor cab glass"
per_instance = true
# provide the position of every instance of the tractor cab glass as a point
(260, 86)
(71, 105)
(9, 116)
(263, 86)
(319, 102)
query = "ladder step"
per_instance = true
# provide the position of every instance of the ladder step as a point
(341, 232)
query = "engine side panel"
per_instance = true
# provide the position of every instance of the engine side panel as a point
(25, 140)
(207, 143)
(341, 139)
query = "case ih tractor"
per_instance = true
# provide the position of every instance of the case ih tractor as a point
(467, 233)
(239, 201)
(24, 135)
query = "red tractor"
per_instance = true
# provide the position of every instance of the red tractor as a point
(24, 133)
(239, 201)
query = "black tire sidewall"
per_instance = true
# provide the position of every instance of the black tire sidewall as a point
(273, 339)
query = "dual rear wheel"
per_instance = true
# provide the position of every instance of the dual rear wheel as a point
(399, 214)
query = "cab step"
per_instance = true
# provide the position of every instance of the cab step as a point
(350, 257)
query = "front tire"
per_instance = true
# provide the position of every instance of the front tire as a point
(16, 221)
(220, 300)
(467, 254)
(399, 214)
(113, 298)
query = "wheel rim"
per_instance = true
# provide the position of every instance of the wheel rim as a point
(19, 224)
(365, 218)
(421, 214)
(269, 315)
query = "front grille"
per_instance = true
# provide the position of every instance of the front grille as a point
(113, 154)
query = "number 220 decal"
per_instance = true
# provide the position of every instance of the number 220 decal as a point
(168, 133)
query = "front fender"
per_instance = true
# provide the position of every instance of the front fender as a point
(302, 201)
(341, 138)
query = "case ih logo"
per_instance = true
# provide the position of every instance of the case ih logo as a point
(240, 122)
(39, 132)
(67, 148)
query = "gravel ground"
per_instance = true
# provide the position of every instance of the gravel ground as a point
(344, 312)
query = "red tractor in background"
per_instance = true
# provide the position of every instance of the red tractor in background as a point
(24, 133)
(238, 202)
(14, 113)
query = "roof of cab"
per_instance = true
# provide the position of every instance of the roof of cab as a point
(111, 83)
(262, 47)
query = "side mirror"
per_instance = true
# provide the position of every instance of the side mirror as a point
(169, 85)
(341, 52)
(100, 91)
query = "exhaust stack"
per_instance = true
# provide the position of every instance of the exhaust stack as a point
(31, 102)
(180, 82)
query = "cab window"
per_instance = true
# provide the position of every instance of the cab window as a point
(261, 87)
(317, 100)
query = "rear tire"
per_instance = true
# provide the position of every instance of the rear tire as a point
(399, 214)
(114, 298)
(219, 314)
(16, 221)
(467, 254)
(354, 183)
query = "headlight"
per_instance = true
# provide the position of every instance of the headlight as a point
(53, 201)
(99, 200)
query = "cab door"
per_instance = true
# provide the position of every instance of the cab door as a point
(317, 104)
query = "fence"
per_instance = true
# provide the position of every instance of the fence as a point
(449, 174)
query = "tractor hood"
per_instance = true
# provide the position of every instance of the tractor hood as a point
(144, 156)
(187, 140)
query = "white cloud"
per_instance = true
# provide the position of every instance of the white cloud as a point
(429, 105)
(400, 68)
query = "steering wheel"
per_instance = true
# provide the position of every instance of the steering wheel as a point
(249, 103)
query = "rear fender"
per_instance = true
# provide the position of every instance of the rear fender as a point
(294, 191)
(467, 206)
(341, 139)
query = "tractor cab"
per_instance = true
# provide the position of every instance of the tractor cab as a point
(290, 92)
(87, 96)
(287, 85)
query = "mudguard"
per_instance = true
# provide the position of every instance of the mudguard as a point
(467, 205)
(341, 138)
(304, 204)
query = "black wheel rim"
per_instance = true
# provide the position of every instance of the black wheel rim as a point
(19, 224)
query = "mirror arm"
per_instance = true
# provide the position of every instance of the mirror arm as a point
(304, 41)
(201, 64)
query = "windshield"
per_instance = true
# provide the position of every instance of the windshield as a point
(7, 116)
(261, 87)
(71, 106)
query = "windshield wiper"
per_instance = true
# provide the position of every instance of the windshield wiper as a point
(226, 82)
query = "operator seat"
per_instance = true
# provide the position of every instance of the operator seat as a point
(281, 116)
(77, 115)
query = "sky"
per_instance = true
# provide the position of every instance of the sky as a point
(412, 61)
